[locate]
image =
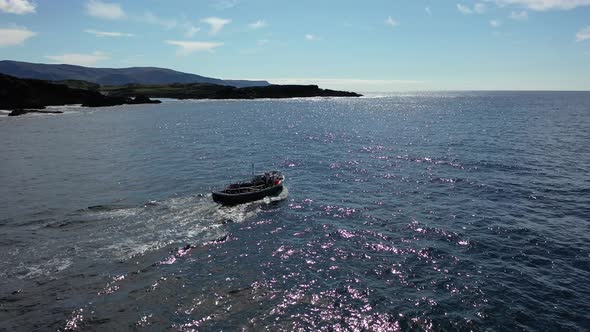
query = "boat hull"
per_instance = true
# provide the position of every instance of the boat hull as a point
(235, 199)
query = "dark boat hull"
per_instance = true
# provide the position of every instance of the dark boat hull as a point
(235, 199)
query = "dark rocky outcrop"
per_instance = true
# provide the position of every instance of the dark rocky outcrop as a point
(17, 93)
(22, 95)
(141, 99)
(18, 112)
(103, 101)
(213, 91)
(280, 91)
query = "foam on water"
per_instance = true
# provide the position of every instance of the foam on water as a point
(127, 232)
(156, 225)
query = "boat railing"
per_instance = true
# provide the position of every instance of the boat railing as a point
(244, 189)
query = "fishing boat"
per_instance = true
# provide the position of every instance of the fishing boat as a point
(260, 186)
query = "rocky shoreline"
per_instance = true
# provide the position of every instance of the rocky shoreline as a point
(24, 96)
(214, 91)
(28, 95)
(18, 112)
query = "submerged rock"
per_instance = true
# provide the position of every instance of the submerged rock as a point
(18, 112)
(142, 99)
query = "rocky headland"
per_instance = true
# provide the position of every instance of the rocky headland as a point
(214, 91)
(26, 94)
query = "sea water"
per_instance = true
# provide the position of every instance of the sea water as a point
(417, 211)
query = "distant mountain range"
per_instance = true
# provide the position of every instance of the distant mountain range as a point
(113, 76)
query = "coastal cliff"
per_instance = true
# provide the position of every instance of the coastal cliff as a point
(21, 94)
(214, 91)
(18, 93)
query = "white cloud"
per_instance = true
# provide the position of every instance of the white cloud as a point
(583, 34)
(258, 24)
(150, 18)
(428, 11)
(108, 33)
(464, 9)
(191, 30)
(310, 36)
(478, 8)
(261, 42)
(78, 59)
(182, 23)
(17, 6)
(225, 4)
(189, 47)
(107, 10)
(391, 22)
(14, 36)
(519, 15)
(495, 23)
(542, 5)
(216, 23)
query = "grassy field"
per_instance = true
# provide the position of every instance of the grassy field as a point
(180, 91)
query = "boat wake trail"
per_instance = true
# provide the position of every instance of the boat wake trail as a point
(157, 224)
(122, 232)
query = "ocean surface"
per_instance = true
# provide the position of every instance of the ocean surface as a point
(449, 211)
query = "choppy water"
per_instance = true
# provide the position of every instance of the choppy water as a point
(438, 211)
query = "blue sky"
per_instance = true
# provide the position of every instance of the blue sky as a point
(371, 45)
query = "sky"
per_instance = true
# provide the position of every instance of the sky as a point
(369, 45)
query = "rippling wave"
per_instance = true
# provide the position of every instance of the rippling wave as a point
(428, 211)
